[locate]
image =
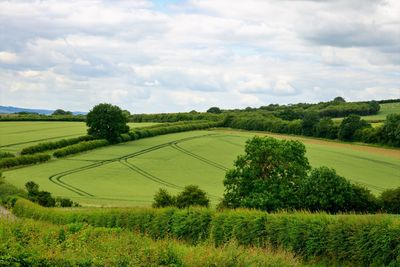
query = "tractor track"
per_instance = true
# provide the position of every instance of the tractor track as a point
(57, 178)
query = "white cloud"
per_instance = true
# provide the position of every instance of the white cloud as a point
(197, 54)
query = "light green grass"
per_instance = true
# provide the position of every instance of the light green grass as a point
(386, 109)
(129, 174)
(19, 134)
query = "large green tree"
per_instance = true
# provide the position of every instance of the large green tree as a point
(350, 125)
(107, 121)
(267, 176)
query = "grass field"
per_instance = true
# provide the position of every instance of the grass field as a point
(129, 174)
(386, 109)
(16, 135)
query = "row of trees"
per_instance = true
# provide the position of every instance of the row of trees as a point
(275, 175)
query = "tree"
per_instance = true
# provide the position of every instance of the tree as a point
(350, 125)
(390, 199)
(310, 120)
(192, 195)
(326, 128)
(215, 110)
(324, 190)
(390, 132)
(107, 121)
(339, 99)
(61, 112)
(267, 176)
(163, 199)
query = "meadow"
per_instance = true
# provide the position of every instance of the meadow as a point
(129, 174)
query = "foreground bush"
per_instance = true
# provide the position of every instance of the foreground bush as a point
(29, 243)
(23, 160)
(80, 147)
(358, 240)
(54, 144)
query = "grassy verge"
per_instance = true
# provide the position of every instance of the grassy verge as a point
(340, 240)
(31, 243)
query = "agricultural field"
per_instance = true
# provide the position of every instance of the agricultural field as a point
(16, 135)
(129, 174)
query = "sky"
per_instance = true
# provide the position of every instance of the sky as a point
(175, 56)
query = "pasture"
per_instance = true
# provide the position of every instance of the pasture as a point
(129, 174)
(386, 109)
(16, 135)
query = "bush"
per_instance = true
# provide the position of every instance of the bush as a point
(192, 195)
(54, 144)
(9, 192)
(324, 190)
(4, 154)
(338, 240)
(80, 147)
(349, 126)
(390, 199)
(23, 160)
(163, 199)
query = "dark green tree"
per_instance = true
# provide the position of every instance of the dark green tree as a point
(324, 190)
(390, 132)
(215, 110)
(310, 120)
(326, 128)
(267, 176)
(192, 195)
(61, 112)
(390, 199)
(349, 126)
(163, 199)
(339, 99)
(107, 121)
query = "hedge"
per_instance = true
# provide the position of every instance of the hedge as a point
(54, 144)
(5, 154)
(30, 243)
(80, 147)
(23, 160)
(335, 239)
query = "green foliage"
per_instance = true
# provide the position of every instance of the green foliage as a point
(61, 112)
(29, 243)
(339, 240)
(267, 176)
(9, 192)
(215, 110)
(309, 122)
(390, 133)
(326, 128)
(107, 122)
(163, 199)
(54, 144)
(390, 199)
(40, 117)
(349, 126)
(192, 195)
(324, 190)
(80, 147)
(44, 198)
(23, 160)
(5, 154)
(363, 200)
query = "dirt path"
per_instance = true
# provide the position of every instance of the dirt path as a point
(4, 213)
(394, 153)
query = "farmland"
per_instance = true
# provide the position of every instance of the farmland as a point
(386, 109)
(16, 135)
(129, 174)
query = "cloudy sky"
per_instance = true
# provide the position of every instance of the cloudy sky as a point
(166, 56)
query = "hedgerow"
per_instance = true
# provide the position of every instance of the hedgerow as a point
(54, 144)
(30, 243)
(335, 239)
(23, 160)
(80, 147)
(5, 154)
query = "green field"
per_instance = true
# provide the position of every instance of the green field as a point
(386, 109)
(129, 174)
(16, 135)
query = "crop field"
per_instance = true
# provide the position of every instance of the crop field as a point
(129, 174)
(16, 135)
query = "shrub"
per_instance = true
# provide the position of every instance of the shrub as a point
(324, 190)
(80, 147)
(54, 144)
(23, 160)
(192, 195)
(349, 126)
(5, 154)
(163, 199)
(390, 199)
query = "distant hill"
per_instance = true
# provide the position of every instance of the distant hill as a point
(10, 110)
